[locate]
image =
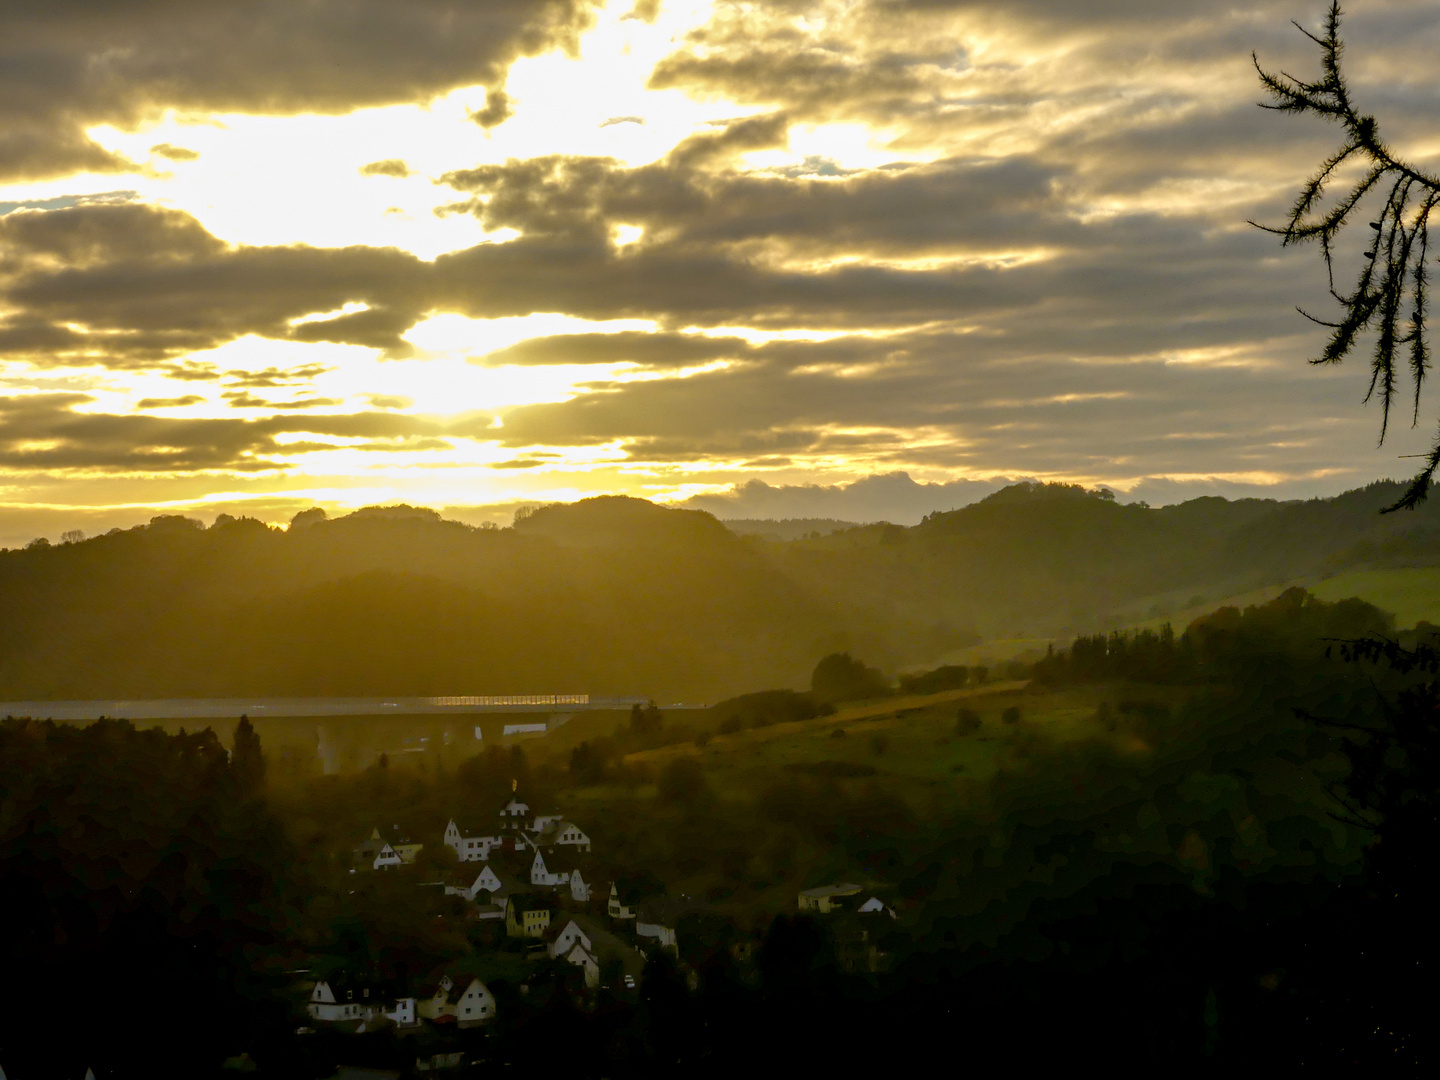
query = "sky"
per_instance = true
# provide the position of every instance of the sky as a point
(258, 256)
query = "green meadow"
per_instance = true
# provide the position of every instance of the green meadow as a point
(1411, 594)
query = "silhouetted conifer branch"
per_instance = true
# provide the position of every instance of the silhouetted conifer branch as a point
(1393, 277)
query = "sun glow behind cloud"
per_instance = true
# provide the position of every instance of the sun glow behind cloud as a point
(297, 179)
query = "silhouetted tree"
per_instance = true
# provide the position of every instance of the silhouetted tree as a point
(840, 677)
(967, 722)
(247, 762)
(682, 780)
(586, 766)
(1390, 295)
(645, 723)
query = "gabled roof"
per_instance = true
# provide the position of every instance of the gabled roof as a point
(394, 836)
(627, 886)
(508, 866)
(521, 902)
(840, 889)
(342, 985)
(606, 945)
(470, 829)
(550, 835)
(560, 861)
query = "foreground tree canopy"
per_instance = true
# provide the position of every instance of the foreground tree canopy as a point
(1390, 296)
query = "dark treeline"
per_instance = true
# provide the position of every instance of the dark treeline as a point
(1213, 647)
(607, 596)
(145, 888)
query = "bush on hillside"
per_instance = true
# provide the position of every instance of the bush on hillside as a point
(764, 708)
(840, 677)
(945, 677)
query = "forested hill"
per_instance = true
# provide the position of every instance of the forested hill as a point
(616, 595)
(605, 596)
(1051, 558)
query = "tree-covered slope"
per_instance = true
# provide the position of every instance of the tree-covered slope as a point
(616, 595)
(605, 596)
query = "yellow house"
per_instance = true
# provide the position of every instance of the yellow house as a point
(403, 846)
(824, 898)
(527, 915)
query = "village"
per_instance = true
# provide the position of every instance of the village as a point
(532, 872)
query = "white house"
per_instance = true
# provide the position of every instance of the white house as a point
(387, 858)
(875, 906)
(570, 932)
(556, 875)
(403, 1014)
(476, 1005)
(331, 1006)
(579, 888)
(583, 958)
(616, 908)
(561, 833)
(377, 854)
(337, 1001)
(582, 941)
(468, 1001)
(487, 881)
(468, 843)
(656, 920)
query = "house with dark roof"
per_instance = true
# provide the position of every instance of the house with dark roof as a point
(623, 895)
(386, 849)
(561, 833)
(375, 854)
(463, 1000)
(588, 944)
(495, 875)
(527, 915)
(356, 1003)
(657, 917)
(470, 842)
(824, 899)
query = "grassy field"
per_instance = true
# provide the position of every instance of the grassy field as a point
(905, 745)
(1409, 594)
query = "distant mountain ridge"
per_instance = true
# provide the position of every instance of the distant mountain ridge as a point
(618, 595)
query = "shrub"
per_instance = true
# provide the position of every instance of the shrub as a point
(840, 677)
(681, 780)
(967, 722)
(946, 677)
(766, 707)
(838, 733)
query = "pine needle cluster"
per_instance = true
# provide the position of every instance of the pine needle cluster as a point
(1390, 297)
